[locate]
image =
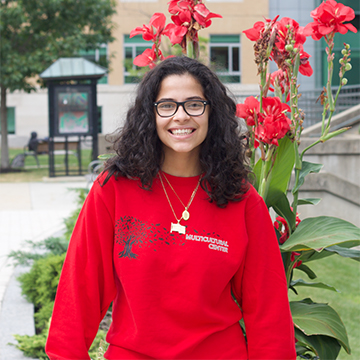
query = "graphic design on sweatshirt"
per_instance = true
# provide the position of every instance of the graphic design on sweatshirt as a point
(133, 234)
(213, 243)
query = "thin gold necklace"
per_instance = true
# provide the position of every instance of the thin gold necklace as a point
(181, 229)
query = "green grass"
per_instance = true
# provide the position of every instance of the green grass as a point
(344, 275)
(31, 173)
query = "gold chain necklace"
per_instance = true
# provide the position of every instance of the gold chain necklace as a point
(181, 229)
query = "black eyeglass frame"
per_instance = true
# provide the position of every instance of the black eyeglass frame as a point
(181, 103)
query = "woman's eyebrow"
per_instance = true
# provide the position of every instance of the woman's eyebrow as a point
(195, 98)
(188, 98)
(165, 99)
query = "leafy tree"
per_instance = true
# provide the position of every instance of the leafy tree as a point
(35, 33)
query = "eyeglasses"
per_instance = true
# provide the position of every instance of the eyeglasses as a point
(167, 108)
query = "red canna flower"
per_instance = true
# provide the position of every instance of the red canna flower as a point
(284, 32)
(305, 67)
(190, 16)
(286, 25)
(182, 19)
(154, 30)
(289, 32)
(329, 17)
(273, 123)
(292, 258)
(253, 34)
(256, 32)
(151, 32)
(248, 110)
(281, 225)
(176, 6)
(175, 33)
(147, 58)
(202, 15)
(280, 79)
(293, 254)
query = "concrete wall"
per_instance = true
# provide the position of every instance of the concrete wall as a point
(340, 156)
(338, 183)
(339, 198)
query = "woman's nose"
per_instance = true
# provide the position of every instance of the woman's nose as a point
(181, 114)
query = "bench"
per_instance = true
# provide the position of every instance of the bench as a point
(59, 147)
(43, 147)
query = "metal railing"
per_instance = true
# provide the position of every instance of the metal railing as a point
(349, 96)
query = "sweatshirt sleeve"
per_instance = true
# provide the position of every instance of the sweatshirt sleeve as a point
(87, 285)
(261, 289)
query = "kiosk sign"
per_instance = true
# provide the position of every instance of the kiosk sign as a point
(72, 110)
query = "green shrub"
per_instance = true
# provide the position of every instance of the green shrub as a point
(39, 285)
(32, 346)
(43, 315)
(39, 250)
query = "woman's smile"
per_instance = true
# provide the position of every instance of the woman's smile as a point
(181, 131)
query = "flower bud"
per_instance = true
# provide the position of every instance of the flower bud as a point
(296, 50)
(341, 61)
(289, 47)
(344, 51)
(347, 46)
(348, 67)
(344, 81)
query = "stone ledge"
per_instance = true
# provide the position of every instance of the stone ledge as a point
(348, 117)
(349, 146)
(332, 184)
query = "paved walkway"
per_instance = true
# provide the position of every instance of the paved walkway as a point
(31, 211)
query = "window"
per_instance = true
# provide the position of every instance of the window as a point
(225, 57)
(10, 120)
(133, 47)
(98, 56)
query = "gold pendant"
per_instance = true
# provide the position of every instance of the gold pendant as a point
(185, 215)
(178, 228)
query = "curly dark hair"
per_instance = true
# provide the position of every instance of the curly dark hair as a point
(139, 151)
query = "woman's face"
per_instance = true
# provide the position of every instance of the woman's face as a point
(182, 133)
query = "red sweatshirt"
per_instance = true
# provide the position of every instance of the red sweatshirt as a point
(171, 292)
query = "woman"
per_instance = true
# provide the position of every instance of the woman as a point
(171, 233)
